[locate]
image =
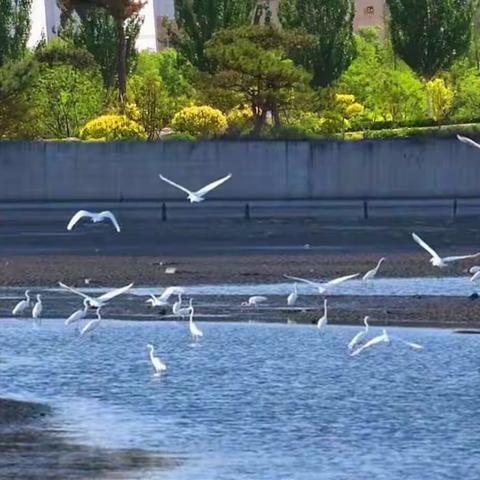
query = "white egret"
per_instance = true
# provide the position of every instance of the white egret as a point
(292, 298)
(94, 217)
(195, 332)
(180, 311)
(197, 197)
(383, 338)
(37, 308)
(322, 321)
(102, 300)
(474, 269)
(412, 345)
(90, 326)
(255, 301)
(324, 287)
(468, 141)
(356, 339)
(21, 306)
(438, 261)
(162, 300)
(371, 273)
(157, 364)
(78, 314)
(475, 276)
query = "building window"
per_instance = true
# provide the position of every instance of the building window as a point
(369, 10)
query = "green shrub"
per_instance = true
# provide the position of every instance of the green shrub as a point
(112, 127)
(200, 122)
(179, 137)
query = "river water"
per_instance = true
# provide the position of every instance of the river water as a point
(258, 401)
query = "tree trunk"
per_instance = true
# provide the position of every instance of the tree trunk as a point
(259, 121)
(122, 62)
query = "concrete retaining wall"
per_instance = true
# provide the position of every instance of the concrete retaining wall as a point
(273, 170)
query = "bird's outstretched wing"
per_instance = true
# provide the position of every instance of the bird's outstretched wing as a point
(169, 291)
(338, 280)
(468, 141)
(114, 293)
(353, 342)
(415, 346)
(460, 257)
(80, 214)
(381, 338)
(304, 280)
(165, 179)
(108, 214)
(74, 290)
(207, 188)
(427, 247)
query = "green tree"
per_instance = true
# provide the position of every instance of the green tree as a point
(14, 28)
(331, 24)
(254, 61)
(16, 79)
(64, 99)
(120, 11)
(430, 34)
(96, 31)
(198, 20)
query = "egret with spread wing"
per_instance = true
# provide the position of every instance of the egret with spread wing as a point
(94, 217)
(324, 287)
(91, 325)
(436, 260)
(102, 300)
(162, 300)
(197, 197)
(468, 141)
(255, 301)
(383, 338)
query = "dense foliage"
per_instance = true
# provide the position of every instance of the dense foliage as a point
(227, 77)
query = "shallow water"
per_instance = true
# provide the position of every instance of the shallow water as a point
(258, 401)
(437, 286)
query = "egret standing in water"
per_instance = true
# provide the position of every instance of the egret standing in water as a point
(37, 308)
(371, 273)
(322, 321)
(292, 298)
(157, 364)
(195, 332)
(21, 306)
(356, 339)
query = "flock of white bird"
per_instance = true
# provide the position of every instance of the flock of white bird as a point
(357, 344)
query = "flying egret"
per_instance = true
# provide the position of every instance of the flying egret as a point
(102, 300)
(180, 311)
(23, 304)
(412, 345)
(292, 298)
(162, 300)
(79, 314)
(324, 287)
(438, 261)
(197, 197)
(94, 217)
(322, 321)
(195, 332)
(468, 141)
(356, 339)
(157, 364)
(38, 307)
(255, 301)
(383, 338)
(371, 273)
(91, 325)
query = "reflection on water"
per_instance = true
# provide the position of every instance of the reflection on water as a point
(258, 401)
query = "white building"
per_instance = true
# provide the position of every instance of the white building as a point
(46, 19)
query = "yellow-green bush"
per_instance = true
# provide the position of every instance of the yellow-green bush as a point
(240, 121)
(112, 127)
(201, 122)
(440, 99)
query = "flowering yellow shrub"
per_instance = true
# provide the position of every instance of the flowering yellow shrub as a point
(240, 120)
(112, 127)
(202, 122)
